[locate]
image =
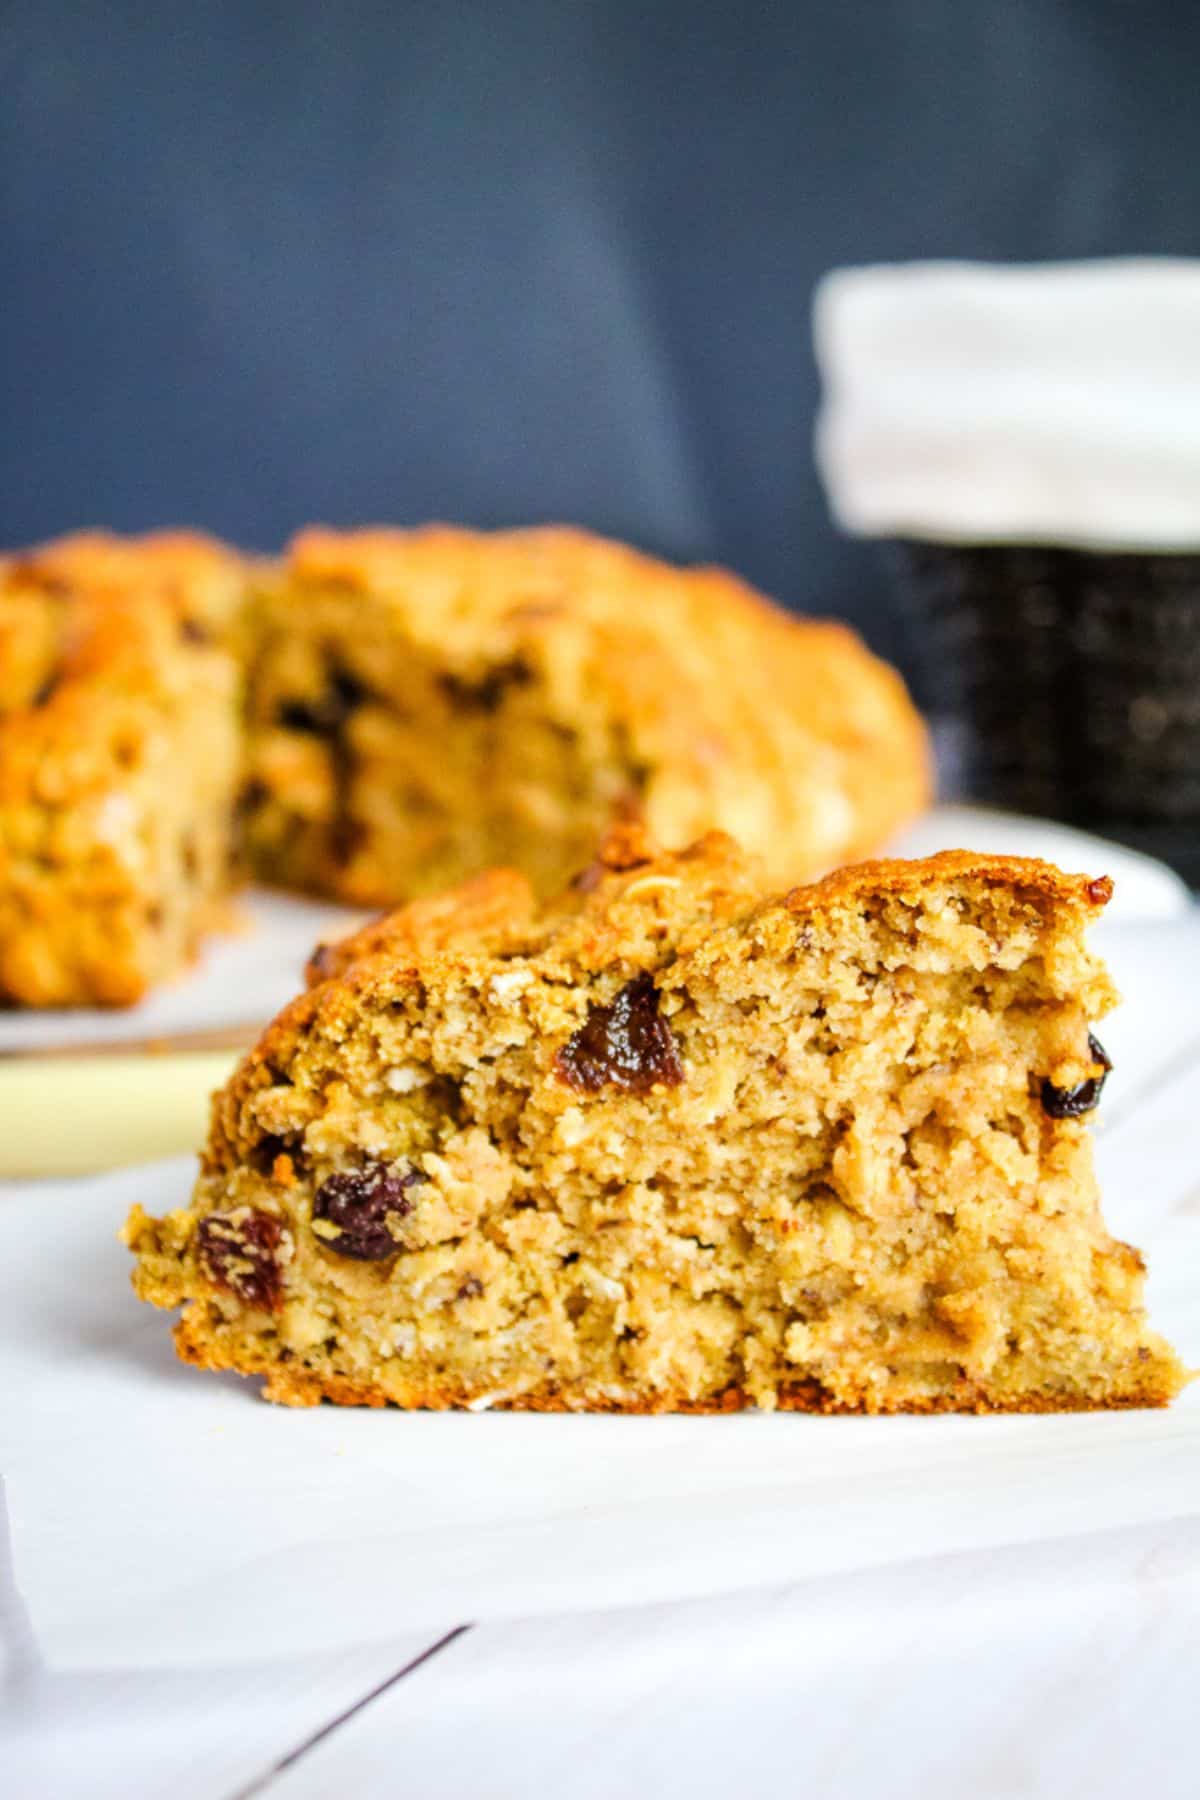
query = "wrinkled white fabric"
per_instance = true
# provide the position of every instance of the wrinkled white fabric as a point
(1056, 403)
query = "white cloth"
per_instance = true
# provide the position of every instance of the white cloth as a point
(1040, 404)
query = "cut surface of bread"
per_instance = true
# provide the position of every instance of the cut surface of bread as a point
(425, 704)
(668, 1143)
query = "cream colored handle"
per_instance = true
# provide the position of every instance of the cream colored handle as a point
(70, 1115)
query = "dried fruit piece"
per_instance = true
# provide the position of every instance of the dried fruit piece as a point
(240, 1251)
(362, 1204)
(325, 715)
(323, 963)
(1084, 1097)
(487, 693)
(624, 1045)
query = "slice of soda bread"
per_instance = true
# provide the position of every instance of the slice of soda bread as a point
(669, 1143)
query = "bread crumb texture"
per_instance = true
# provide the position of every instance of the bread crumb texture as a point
(665, 1143)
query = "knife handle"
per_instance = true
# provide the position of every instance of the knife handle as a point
(73, 1115)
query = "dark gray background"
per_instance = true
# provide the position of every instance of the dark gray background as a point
(270, 262)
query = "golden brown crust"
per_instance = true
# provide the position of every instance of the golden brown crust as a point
(112, 599)
(484, 908)
(909, 880)
(118, 716)
(111, 619)
(101, 559)
(287, 1385)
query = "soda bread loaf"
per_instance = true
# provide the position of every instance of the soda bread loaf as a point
(427, 704)
(417, 705)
